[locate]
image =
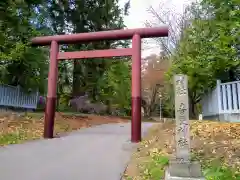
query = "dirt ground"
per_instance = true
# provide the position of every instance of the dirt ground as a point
(15, 129)
(211, 142)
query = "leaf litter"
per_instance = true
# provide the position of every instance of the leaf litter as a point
(16, 129)
(210, 141)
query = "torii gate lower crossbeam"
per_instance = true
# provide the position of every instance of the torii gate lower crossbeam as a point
(135, 52)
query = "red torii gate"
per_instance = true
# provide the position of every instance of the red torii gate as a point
(135, 52)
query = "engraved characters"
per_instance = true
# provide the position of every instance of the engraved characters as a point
(180, 88)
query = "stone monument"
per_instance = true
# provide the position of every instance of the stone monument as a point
(181, 167)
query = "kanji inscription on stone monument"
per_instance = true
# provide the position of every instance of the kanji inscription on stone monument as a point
(181, 168)
(182, 118)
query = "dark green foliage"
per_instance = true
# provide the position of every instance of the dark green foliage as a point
(21, 64)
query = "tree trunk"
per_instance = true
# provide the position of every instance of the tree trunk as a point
(192, 112)
(76, 89)
(146, 109)
(58, 101)
(109, 108)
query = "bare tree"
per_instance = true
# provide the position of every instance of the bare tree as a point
(176, 22)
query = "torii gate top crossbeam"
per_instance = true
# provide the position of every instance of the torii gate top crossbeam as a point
(101, 35)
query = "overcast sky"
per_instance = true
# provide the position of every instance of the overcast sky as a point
(138, 15)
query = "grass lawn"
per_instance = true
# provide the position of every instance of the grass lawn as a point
(14, 129)
(215, 145)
